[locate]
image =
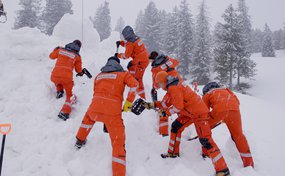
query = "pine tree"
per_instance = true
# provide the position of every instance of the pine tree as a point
(53, 13)
(277, 39)
(139, 26)
(244, 65)
(102, 21)
(227, 47)
(120, 25)
(256, 40)
(28, 16)
(172, 34)
(151, 22)
(202, 53)
(185, 39)
(267, 44)
(164, 18)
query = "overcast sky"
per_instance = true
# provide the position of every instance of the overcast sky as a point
(261, 11)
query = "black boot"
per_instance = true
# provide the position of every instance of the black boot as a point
(59, 94)
(225, 172)
(79, 143)
(169, 155)
(63, 116)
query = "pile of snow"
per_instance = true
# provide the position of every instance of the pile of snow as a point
(42, 144)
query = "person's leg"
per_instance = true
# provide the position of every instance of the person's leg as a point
(139, 72)
(234, 124)
(205, 137)
(66, 109)
(85, 128)
(163, 125)
(116, 131)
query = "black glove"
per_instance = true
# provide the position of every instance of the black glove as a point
(79, 74)
(118, 43)
(87, 73)
(162, 113)
(116, 55)
(57, 47)
(154, 95)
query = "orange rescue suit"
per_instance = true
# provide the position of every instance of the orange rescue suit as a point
(225, 107)
(138, 52)
(62, 74)
(106, 107)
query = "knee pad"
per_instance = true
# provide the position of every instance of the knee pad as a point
(175, 126)
(205, 143)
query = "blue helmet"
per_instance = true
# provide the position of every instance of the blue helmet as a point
(129, 34)
(210, 86)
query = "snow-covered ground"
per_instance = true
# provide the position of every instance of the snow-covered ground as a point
(40, 144)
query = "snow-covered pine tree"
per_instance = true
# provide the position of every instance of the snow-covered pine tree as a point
(139, 26)
(267, 44)
(102, 21)
(120, 25)
(256, 40)
(277, 39)
(28, 16)
(185, 45)
(226, 47)
(202, 60)
(164, 18)
(151, 22)
(53, 13)
(244, 65)
(172, 34)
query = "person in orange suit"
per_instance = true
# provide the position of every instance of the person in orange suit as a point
(106, 107)
(225, 107)
(135, 49)
(190, 107)
(68, 58)
(168, 64)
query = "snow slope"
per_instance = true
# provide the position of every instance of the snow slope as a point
(40, 144)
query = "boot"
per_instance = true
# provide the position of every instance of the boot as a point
(79, 143)
(63, 116)
(225, 172)
(59, 94)
(170, 155)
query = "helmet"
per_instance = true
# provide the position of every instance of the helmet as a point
(210, 86)
(153, 55)
(77, 42)
(115, 59)
(161, 79)
(128, 33)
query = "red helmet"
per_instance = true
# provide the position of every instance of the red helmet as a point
(161, 79)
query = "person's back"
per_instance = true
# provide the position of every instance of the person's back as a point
(67, 60)
(221, 100)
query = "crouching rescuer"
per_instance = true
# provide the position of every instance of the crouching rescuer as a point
(67, 59)
(106, 107)
(190, 107)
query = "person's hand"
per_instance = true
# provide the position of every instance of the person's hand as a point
(127, 106)
(116, 55)
(149, 106)
(162, 113)
(79, 74)
(118, 43)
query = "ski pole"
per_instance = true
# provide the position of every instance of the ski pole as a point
(8, 129)
(193, 138)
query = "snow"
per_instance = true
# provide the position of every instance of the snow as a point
(42, 144)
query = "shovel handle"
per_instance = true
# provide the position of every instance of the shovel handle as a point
(5, 128)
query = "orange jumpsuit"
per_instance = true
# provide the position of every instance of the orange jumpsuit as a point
(225, 107)
(106, 107)
(138, 52)
(191, 108)
(62, 74)
(169, 66)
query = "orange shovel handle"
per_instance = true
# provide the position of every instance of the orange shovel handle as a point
(7, 128)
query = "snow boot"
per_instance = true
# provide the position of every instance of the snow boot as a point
(169, 155)
(63, 116)
(225, 172)
(79, 143)
(59, 94)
